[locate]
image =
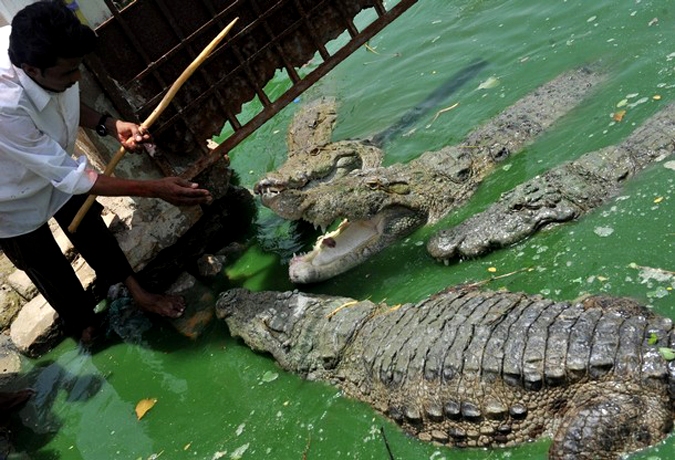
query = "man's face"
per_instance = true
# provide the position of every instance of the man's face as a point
(58, 78)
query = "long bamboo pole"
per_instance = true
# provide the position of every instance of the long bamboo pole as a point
(163, 104)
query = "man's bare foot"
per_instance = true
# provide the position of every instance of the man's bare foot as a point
(167, 305)
(170, 306)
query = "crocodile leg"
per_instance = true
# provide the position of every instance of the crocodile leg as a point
(609, 423)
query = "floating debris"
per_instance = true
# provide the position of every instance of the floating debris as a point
(603, 231)
(667, 353)
(618, 116)
(143, 406)
(239, 452)
(491, 82)
(269, 376)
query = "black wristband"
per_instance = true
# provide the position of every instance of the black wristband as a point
(101, 129)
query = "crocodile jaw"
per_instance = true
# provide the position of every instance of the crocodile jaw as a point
(335, 252)
(351, 244)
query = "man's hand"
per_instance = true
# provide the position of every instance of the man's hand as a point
(131, 135)
(174, 190)
(181, 192)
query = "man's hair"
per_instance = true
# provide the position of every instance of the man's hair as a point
(46, 31)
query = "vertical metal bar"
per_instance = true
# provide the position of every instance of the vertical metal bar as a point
(351, 28)
(379, 7)
(134, 42)
(163, 164)
(325, 55)
(289, 68)
(251, 78)
(231, 117)
(189, 48)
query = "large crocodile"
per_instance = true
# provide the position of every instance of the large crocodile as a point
(382, 205)
(470, 368)
(564, 193)
(312, 159)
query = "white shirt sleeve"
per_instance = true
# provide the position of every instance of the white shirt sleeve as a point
(24, 143)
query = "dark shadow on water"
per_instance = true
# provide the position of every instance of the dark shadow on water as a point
(36, 424)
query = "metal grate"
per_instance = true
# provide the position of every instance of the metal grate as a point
(146, 45)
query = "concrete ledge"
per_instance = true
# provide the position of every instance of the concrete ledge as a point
(35, 330)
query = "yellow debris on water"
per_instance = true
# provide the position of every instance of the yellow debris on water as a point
(143, 406)
(618, 116)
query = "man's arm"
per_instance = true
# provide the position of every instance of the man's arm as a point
(174, 190)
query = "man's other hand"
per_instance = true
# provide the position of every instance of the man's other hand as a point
(181, 192)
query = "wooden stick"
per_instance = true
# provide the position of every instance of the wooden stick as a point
(163, 104)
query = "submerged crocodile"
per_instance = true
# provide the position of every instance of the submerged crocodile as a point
(470, 368)
(381, 205)
(564, 193)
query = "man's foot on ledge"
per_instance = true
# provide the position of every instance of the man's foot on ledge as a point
(166, 305)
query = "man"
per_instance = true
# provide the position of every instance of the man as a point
(40, 111)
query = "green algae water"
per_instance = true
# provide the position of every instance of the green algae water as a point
(216, 399)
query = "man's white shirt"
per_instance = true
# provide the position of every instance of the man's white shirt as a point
(38, 129)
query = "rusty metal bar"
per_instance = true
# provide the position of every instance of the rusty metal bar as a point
(289, 68)
(134, 42)
(165, 166)
(351, 27)
(217, 20)
(179, 35)
(231, 117)
(325, 55)
(223, 80)
(257, 121)
(379, 7)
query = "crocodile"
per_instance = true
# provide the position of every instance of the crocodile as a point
(312, 159)
(379, 206)
(563, 193)
(473, 368)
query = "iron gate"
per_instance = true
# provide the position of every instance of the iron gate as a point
(146, 45)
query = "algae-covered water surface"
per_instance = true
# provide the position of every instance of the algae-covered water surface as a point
(214, 398)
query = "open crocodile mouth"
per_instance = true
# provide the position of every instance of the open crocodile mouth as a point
(335, 251)
(351, 243)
